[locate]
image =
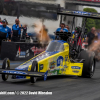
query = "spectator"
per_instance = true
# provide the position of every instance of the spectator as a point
(62, 28)
(4, 32)
(98, 33)
(24, 31)
(67, 27)
(90, 36)
(16, 30)
(0, 21)
(43, 35)
(45, 28)
(9, 33)
(6, 21)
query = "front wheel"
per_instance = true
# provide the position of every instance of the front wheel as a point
(34, 68)
(5, 65)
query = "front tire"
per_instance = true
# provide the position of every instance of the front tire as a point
(34, 68)
(5, 65)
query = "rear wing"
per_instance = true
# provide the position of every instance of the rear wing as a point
(40, 10)
(76, 13)
(79, 13)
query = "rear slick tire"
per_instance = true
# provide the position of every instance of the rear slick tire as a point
(88, 65)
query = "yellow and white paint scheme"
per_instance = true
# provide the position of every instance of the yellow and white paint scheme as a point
(56, 66)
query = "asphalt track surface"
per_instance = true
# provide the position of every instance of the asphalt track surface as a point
(62, 87)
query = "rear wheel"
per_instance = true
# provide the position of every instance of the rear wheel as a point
(34, 68)
(5, 65)
(91, 68)
(88, 65)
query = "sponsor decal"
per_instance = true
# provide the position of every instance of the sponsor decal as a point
(60, 61)
(81, 13)
(52, 70)
(53, 73)
(52, 65)
(22, 54)
(37, 50)
(41, 66)
(62, 69)
(65, 66)
(75, 67)
(58, 69)
(22, 67)
(14, 72)
(75, 71)
(66, 58)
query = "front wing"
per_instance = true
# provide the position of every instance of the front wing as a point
(23, 73)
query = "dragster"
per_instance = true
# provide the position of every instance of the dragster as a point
(60, 57)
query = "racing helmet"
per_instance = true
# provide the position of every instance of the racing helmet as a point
(78, 29)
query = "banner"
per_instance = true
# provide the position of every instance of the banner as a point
(20, 51)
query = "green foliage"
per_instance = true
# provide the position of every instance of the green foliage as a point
(92, 22)
(97, 23)
(90, 10)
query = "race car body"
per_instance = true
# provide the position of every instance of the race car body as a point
(55, 60)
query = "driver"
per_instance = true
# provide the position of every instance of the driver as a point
(62, 28)
(77, 30)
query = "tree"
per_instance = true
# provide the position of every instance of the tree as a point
(90, 10)
(97, 23)
(91, 22)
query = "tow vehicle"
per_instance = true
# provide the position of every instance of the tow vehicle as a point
(60, 57)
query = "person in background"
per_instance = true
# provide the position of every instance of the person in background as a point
(62, 28)
(9, 33)
(0, 21)
(45, 28)
(24, 28)
(4, 32)
(6, 21)
(90, 36)
(43, 35)
(16, 31)
(67, 27)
